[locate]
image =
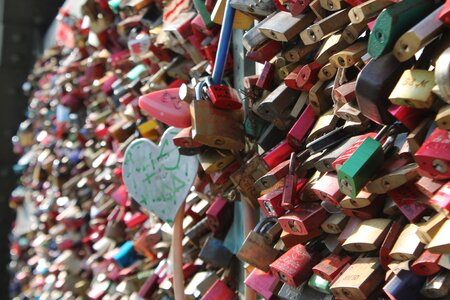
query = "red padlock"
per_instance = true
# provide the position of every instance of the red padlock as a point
(441, 200)
(265, 80)
(301, 127)
(330, 267)
(426, 264)
(327, 189)
(224, 97)
(407, 198)
(271, 203)
(305, 218)
(277, 154)
(433, 157)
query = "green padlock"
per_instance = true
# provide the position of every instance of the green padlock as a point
(356, 172)
(393, 21)
(319, 284)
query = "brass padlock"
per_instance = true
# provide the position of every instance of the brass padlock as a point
(369, 236)
(359, 280)
(414, 89)
(441, 242)
(282, 26)
(408, 245)
(258, 250)
(216, 127)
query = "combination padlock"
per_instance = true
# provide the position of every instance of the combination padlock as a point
(364, 163)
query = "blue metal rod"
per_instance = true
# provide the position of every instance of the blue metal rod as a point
(224, 44)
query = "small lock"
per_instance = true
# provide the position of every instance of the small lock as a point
(265, 284)
(335, 223)
(426, 264)
(368, 236)
(440, 242)
(331, 266)
(222, 96)
(294, 266)
(327, 189)
(437, 286)
(271, 203)
(404, 285)
(408, 245)
(359, 280)
(363, 163)
(433, 156)
(304, 218)
(258, 251)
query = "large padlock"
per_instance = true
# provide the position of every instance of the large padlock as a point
(258, 250)
(216, 127)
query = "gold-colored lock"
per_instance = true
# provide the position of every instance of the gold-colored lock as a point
(441, 241)
(443, 118)
(367, 10)
(393, 180)
(283, 27)
(428, 229)
(353, 31)
(327, 72)
(361, 200)
(213, 160)
(349, 56)
(359, 280)
(369, 235)
(418, 135)
(327, 122)
(330, 46)
(320, 30)
(350, 112)
(414, 89)
(320, 102)
(335, 223)
(408, 245)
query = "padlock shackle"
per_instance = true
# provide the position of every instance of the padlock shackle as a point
(224, 44)
(199, 90)
(263, 223)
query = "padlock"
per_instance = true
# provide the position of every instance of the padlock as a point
(266, 78)
(368, 237)
(324, 27)
(273, 176)
(408, 200)
(393, 22)
(441, 74)
(253, 37)
(327, 72)
(213, 160)
(215, 253)
(216, 134)
(294, 266)
(318, 10)
(319, 284)
(330, 46)
(184, 139)
(296, 7)
(283, 26)
(331, 266)
(354, 30)
(414, 89)
(439, 243)
(307, 77)
(436, 286)
(403, 285)
(418, 134)
(332, 5)
(265, 284)
(362, 164)
(345, 93)
(335, 223)
(219, 289)
(324, 124)
(359, 280)
(317, 98)
(303, 219)
(428, 229)
(408, 245)
(426, 264)
(257, 250)
(442, 119)
(263, 8)
(220, 215)
(431, 156)
(367, 212)
(418, 36)
(264, 52)
(367, 10)
(289, 197)
(327, 189)
(374, 84)
(324, 164)
(277, 102)
(349, 56)
(277, 154)
(224, 97)
(428, 186)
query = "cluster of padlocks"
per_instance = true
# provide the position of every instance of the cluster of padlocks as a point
(140, 160)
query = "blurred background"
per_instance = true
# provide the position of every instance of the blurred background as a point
(23, 28)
